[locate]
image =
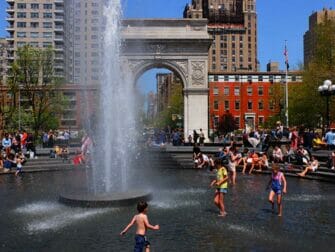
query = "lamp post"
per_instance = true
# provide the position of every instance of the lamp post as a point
(327, 90)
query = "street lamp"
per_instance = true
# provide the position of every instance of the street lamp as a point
(327, 90)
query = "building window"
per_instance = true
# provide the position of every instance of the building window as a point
(21, 6)
(34, 15)
(34, 6)
(21, 15)
(271, 105)
(34, 24)
(236, 91)
(249, 105)
(216, 105)
(21, 44)
(260, 105)
(47, 44)
(224, 67)
(260, 91)
(21, 24)
(237, 105)
(33, 44)
(47, 25)
(47, 34)
(237, 121)
(21, 34)
(226, 105)
(34, 34)
(249, 91)
(260, 120)
(226, 91)
(47, 6)
(47, 15)
(215, 91)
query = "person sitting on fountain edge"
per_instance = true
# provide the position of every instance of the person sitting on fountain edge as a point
(142, 222)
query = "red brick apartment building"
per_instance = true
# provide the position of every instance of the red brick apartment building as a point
(250, 97)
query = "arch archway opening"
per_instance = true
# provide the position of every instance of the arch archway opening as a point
(161, 97)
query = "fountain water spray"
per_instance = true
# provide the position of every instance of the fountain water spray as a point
(114, 132)
(116, 116)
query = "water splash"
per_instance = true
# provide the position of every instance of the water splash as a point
(47, 216)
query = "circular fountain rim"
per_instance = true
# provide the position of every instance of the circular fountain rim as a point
(114, 199)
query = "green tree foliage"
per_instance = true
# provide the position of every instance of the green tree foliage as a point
(306, 105)
(172, 115)
(32, 73)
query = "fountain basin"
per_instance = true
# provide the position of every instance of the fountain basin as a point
(114, 199)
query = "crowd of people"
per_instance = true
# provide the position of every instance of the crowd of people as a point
(292, 147)
(15, 148)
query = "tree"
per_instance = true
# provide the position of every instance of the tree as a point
(32, 78)
(227, 123)
(306, 105)
(172, 114)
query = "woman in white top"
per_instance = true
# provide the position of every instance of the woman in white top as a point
(313, 166)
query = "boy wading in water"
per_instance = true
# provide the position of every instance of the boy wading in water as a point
(142, 222)
(221, 185)
(278, 186)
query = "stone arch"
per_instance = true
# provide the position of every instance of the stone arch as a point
(180, 45)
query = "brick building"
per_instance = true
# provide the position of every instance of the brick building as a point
(250, 97)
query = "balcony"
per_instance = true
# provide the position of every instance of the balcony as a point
(59, 57)
(10, 28)
(59, 66)
(59, 38)
(59, 48)
(59, 28)
(59, 10)
(10, 38)
(59, 18)
(10, 18)
(10, 9)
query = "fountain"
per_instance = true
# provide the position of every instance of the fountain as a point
(115, 132)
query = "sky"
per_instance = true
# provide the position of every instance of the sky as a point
(278, 20)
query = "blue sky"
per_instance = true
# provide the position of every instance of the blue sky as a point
(278, 20)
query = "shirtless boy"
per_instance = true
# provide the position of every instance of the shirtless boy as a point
(142, 222)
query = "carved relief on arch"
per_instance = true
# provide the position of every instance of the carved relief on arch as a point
(183, 65)
(134, 65)
(198, 72)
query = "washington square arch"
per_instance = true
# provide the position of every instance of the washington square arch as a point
(180, 45)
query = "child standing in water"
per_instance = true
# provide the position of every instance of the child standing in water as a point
(221, 184)
(142, 222)
(278, 186)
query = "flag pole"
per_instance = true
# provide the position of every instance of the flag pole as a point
(286, 85)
